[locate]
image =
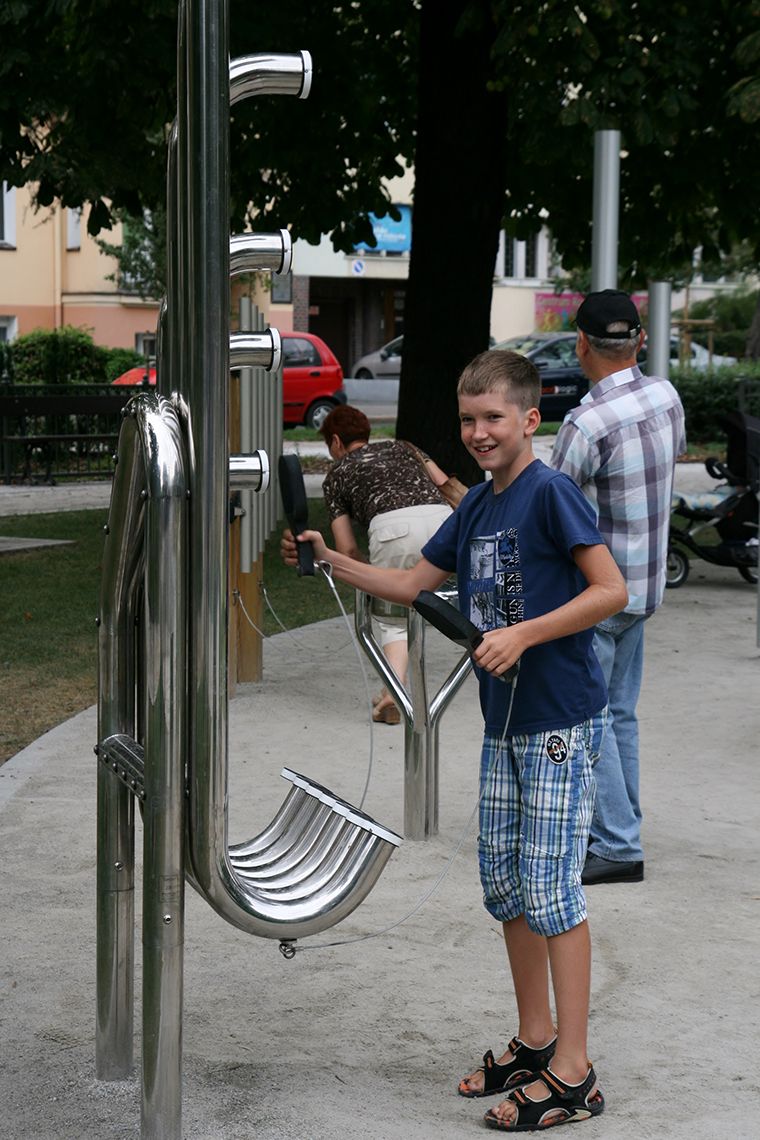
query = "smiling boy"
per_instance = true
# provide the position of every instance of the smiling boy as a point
(535, 576)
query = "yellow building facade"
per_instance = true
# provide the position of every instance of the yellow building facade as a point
(52, 273)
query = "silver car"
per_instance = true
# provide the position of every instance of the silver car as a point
(384, 362)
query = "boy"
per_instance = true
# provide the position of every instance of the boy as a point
(534, 574)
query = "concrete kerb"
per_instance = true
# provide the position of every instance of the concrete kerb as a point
(18, 500)
(370, 1039)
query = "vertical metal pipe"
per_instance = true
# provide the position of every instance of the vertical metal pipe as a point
(205, 297)
(168, 360)
(420, 775)
(421, 716)
(606, 206)
(658, 331)
(115, 809)
(247, 442)
(165, 751)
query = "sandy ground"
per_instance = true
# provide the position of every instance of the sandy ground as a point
(370, 1039)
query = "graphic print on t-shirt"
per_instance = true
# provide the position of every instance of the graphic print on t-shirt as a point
(496, 597)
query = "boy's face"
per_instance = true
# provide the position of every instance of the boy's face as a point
(498, 435)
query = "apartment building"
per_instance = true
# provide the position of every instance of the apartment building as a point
(52, 273)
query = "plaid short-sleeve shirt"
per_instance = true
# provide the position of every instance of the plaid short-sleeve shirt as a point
(620, 446)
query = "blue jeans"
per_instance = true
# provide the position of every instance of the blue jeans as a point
(616, 824)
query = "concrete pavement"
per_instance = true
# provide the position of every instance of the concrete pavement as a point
(370, 1039)
(76, 496)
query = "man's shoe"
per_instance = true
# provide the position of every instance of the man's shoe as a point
(598, 870)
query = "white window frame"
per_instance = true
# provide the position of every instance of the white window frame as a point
(518, 249)
(73, 228)
(8, 216)
(146, 338)
(9, 326)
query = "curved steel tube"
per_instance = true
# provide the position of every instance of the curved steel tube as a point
(249, 472)
(166, 560)
(266, 74)
(254, 252)
(256, 350)
(201, 382)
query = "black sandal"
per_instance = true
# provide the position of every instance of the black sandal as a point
(575, 1102)
(524, 1064)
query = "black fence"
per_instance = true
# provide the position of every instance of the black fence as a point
(52, 434)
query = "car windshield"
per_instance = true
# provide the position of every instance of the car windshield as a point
(521, 344)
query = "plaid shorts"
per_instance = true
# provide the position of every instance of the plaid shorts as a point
(536, 802)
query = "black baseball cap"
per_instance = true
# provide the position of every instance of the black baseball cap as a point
(607, 307)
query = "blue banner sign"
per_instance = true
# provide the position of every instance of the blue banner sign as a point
(393, 237)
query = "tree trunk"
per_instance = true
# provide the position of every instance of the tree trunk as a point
(460, 175)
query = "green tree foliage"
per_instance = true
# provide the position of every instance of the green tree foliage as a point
(496, 101)
(141, 254)
(732, 314)
(58, 356)
(95, 97)
(65, 356)
(120, 360)
(708, 396)
(660, 73)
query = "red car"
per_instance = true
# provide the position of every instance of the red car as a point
(312, 379)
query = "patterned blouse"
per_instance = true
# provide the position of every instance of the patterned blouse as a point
(376, 478)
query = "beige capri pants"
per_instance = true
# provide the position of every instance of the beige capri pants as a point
(395, 541)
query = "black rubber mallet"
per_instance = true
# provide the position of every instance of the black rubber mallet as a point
(453, 624)
(295, 504)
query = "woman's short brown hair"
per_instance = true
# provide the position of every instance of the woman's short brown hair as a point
(348, 423)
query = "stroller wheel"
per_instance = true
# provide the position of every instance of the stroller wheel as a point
(676, 568)
(748, 574)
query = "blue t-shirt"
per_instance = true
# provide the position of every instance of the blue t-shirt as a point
(512, 554)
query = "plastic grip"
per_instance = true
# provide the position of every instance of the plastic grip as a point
(447, 620)
(295, 505)
(454, 625)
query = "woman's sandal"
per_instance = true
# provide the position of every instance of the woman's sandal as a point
(386, 714)
(564, 1104)
(519, 1071)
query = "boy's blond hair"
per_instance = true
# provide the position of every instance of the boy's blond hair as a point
(498, 370)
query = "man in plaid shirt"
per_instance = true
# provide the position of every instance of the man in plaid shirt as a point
(620, 446)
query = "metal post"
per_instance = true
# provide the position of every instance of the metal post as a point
(420, 768)
(247, 442)
(658, 332)
(604, 253)
(163, 920)
(421, 716)
(122, 559)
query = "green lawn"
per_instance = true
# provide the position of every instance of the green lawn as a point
(48, 606)
(49, 603)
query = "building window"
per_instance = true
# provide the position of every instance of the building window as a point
(145, 344)
(282, 289)
(528, 259)
(7, 215)
(531, 244)
(73, 229)
(509, 257)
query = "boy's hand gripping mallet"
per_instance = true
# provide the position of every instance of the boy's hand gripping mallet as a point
(454, 625)
(294, 501)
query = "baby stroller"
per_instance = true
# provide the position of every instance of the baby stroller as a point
(731, 509)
